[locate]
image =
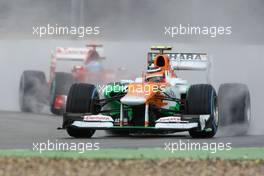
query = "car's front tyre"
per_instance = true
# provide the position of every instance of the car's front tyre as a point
(80, 132)
(81, 99)
(202, 99)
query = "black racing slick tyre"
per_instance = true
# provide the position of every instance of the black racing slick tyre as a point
(80, 132)
(82, 98)
(33, 91)
(60, 85)
(202, 99)
(234, 108)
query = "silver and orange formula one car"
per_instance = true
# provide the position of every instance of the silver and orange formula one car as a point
(157, 102)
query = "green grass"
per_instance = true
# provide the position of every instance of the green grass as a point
(235, 153)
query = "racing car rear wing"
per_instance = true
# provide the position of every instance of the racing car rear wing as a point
(183, 61)
(73, 54)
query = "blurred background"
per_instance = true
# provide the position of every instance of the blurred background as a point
(128, 28)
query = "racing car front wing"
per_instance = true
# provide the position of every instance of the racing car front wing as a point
(102, 122)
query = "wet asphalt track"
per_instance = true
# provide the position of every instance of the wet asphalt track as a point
(20, 130)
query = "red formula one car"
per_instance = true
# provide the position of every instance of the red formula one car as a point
(35, 92)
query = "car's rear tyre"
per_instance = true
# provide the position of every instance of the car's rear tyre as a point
(82, 98)
(202, 99)
(234, 108)
(60, 85)
(33, 91)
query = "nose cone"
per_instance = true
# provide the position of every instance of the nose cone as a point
(133, 100)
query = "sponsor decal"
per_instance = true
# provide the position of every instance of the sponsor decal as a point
(173, 119)
(176, 125)
(97, 118)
